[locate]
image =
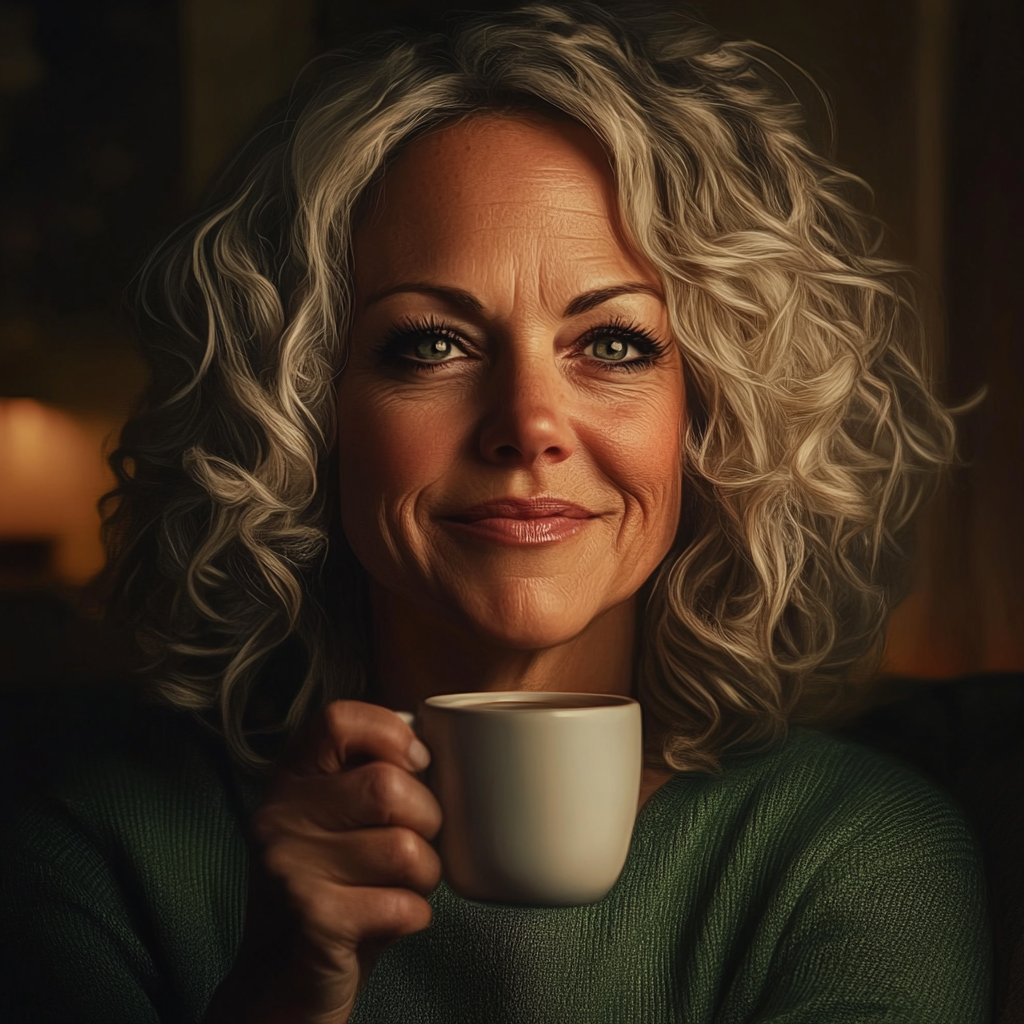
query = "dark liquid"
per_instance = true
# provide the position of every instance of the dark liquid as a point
(583, 701)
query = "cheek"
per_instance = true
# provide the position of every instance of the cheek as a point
(388, 447)
(640, 444)
(639, 450)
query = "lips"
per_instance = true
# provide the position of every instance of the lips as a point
(523, 508)
(521, 521)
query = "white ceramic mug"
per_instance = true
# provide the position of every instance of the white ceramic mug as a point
(539, 792)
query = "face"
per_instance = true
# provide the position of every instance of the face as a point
(511, 410)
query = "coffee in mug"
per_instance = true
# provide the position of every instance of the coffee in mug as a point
(582, 700)
(539, 792)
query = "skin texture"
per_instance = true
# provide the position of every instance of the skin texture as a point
(517, 217)
(502, 224)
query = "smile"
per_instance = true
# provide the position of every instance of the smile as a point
(504, 530)
(518, 521)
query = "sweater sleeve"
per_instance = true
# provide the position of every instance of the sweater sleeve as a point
(68, 950)
(122, 884)
(892, 927)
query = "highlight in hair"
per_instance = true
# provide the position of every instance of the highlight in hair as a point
(814, 432)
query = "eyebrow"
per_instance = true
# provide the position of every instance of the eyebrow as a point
(456, 296)
(588, 300)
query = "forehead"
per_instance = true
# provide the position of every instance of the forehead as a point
(489, 186)
(516, 154)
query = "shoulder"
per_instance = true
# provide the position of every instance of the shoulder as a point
(830, 774)
(821, 769)
(823, 797)
(829, 860)
(809, 766)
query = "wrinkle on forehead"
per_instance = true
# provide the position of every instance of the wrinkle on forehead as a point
(518, 214)
(474, 192)
(463, 148)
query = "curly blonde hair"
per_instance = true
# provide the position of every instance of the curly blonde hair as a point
(814, 433)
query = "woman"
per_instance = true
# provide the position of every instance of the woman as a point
(544, 354)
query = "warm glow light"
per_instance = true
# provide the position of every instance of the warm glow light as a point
(52, 473)
(911, 647)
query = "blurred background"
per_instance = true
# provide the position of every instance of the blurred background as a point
(115, 113)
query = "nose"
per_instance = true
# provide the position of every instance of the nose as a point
(526, 419)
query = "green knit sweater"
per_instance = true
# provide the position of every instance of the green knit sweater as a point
(817, 883)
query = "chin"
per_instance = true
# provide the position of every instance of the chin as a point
(524, 619)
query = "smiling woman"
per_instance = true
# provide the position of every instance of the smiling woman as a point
(540, 354)
(511, 411)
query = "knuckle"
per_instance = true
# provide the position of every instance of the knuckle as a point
(279, 861)
(337, 723)
(336, 715)
(341, 716)
(402, 851)
(382, 784)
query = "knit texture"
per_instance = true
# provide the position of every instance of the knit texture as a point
(815, 883)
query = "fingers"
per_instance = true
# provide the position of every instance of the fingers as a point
(356, 916)
(377, 794)
(348, 733)
(384, 857)
(373, 794)
(345, 860)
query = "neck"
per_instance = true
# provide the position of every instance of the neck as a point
(417, 655)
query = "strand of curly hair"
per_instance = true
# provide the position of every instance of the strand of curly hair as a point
(814, 433)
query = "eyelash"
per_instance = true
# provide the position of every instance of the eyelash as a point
(403, 333)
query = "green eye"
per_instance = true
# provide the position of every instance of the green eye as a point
(610, 348)
(421, 346)
(621, 346)
(433, 349)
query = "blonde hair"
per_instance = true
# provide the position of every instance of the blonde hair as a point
(814, 434)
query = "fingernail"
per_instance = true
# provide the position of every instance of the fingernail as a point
(419, 756)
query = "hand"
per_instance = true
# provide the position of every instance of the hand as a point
(344, 832)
